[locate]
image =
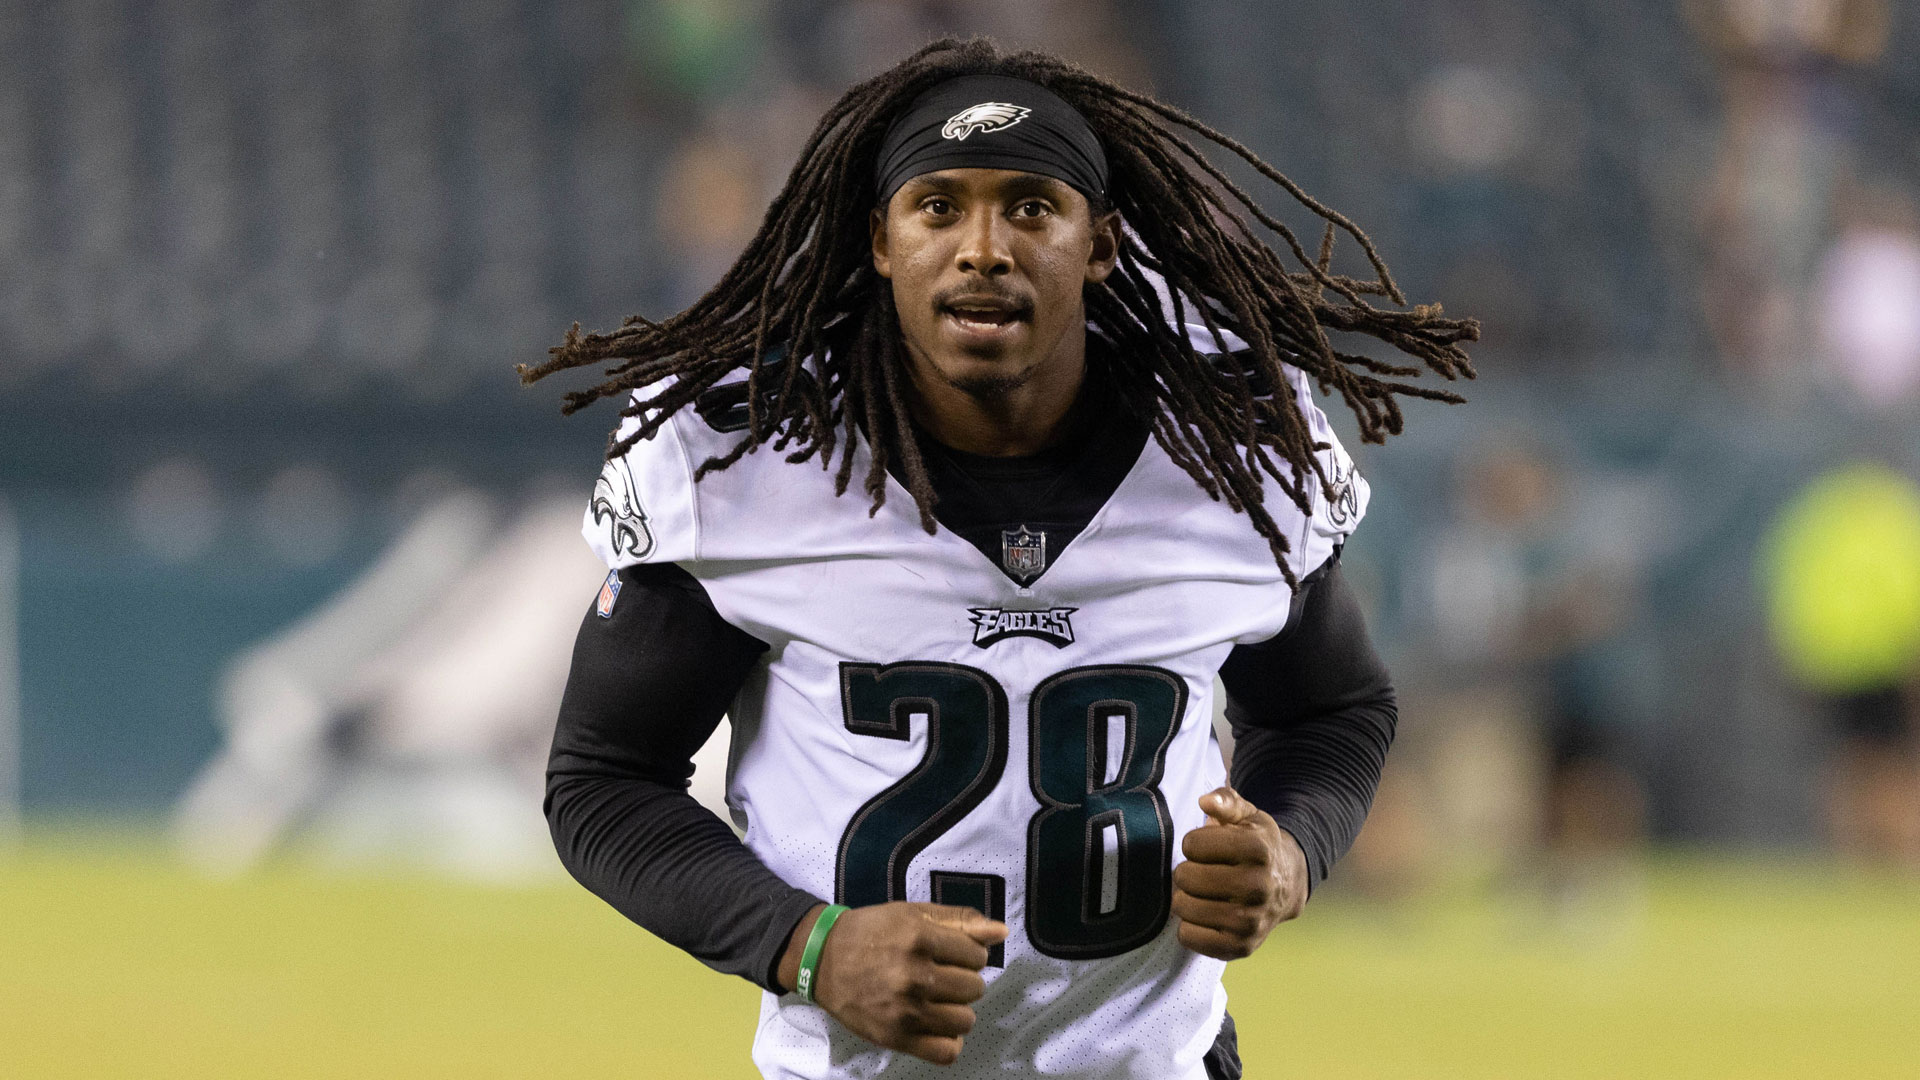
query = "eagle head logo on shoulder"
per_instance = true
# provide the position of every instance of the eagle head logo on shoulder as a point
(1344, 508)
(986, 116)
(616, 507)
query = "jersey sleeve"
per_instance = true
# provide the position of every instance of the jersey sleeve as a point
(643, 507)
(1330, 520)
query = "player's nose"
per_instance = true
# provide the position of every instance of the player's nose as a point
(983, 246)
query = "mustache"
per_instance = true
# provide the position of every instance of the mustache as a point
(975, 296)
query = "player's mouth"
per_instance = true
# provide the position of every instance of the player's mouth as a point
(985, 320)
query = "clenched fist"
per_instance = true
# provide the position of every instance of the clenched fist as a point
(901, 975)
(1243, 876)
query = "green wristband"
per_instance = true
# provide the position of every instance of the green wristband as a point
(810, 956)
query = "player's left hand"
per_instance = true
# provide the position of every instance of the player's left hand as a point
(1243, 876)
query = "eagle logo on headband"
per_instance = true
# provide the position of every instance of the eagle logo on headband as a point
(986, 116)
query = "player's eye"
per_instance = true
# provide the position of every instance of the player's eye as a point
(937, 205)
(1032, 208)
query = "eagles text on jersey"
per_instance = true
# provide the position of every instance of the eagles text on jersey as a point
(923, 726)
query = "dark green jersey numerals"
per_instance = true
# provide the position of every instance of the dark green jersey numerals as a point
(1099, 877)
(1099, 853)
(965, 715)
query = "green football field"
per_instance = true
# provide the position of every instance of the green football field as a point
(115, 963)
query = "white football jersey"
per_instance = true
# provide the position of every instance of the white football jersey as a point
(923, 728)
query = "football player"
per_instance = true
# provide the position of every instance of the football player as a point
(986, 819)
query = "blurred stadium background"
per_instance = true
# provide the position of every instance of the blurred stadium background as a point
(287, 578)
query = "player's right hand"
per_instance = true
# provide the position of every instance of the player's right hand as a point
(904, 975)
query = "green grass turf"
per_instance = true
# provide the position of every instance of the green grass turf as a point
(116, 963)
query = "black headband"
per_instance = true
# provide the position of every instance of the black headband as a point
(991, 122)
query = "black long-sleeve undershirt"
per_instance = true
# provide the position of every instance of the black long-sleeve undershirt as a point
(648, 687)
(1312, 713)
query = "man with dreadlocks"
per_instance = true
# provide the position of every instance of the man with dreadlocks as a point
(986, 821)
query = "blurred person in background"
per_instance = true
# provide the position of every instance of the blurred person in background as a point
(1784, 150)
(1841, 574)
(945, 304)
(1581, 614)
(1531, 627)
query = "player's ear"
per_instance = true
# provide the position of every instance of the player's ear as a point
(877, 224)
(1106, 247)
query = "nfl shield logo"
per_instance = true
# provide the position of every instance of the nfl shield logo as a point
(1024, 553)
(609, 592)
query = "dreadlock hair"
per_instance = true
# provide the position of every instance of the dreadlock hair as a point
(807, 278)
